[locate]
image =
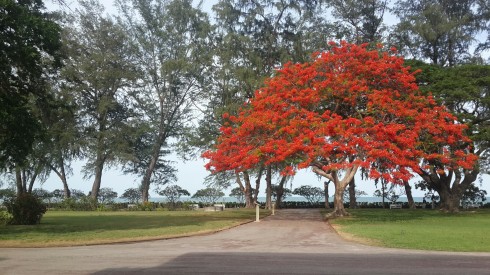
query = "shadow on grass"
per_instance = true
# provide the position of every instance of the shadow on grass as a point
(401, 215)
(108, 221)
(391, 215)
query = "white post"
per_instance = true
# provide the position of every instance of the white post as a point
(273, 207)
(257, 216)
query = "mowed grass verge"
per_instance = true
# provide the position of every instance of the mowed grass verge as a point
(467, 231)
(69, 228)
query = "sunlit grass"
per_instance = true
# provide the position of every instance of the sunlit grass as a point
(66, 228)
(419, 229)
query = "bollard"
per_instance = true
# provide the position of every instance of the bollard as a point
(273, 207)
(257, 217)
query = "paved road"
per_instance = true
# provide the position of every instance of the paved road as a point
(291, 242)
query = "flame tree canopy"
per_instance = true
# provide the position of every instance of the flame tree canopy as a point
(351, 108)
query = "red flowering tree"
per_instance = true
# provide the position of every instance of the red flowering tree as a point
(349, 109)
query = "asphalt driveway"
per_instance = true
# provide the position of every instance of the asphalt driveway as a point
(291, 242)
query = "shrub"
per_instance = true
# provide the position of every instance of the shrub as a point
(87, 204)
(146, 206)
(25, 209)
(68, 204)
(208, 196)
(5, 218)
(82, 204)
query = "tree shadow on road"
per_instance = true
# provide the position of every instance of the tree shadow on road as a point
(310, 263)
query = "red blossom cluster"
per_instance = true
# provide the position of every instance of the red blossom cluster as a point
(349, 107)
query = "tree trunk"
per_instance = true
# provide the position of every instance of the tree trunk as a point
(338, 202)
(352, 194)
(145, 183)
(383, 192)
(280, 192)
(325, 190)
(450, 196)
(249, 203)
(340, 185)
(99, 162)
(62, 175)
(24, 180)
(246, 189)
(452, 204)
(97, 181)
(408, 191)
(32, 180)
(18, 181)
(35, 173)
(257, 184)
(268, 190)
(155, 155)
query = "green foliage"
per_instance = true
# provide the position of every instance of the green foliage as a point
(58, 194)
(107, 195)
(286, 192)
(97, 77)
(238, 194)
(473, 196)
(358, 193)
(82, 204)
(464, 90)
(174, 53)
(77, 194)
(132, 195)
(390, 195)
(208, 195)
(5, 217)
(146, 206)
(6, 194)
(25, 209)
(312, 194)
(173, 194)
(363, 19)
(28, 52)
(441, 31)
(41, 194)
(249, 44)
(388, 191)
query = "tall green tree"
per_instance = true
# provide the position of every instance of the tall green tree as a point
(440, 31)
(173, 194)
(208, 195)
(56, 147)
(484, 17)
(63, 142)
(107, 195)
(29, 53)
(362, 18)
(174, 54)
(463, 89)
(252, 39)
(99, 74)
(312, 194)
(132, 195)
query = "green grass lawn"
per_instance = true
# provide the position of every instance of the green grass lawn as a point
(66, 228)
(418, 229)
